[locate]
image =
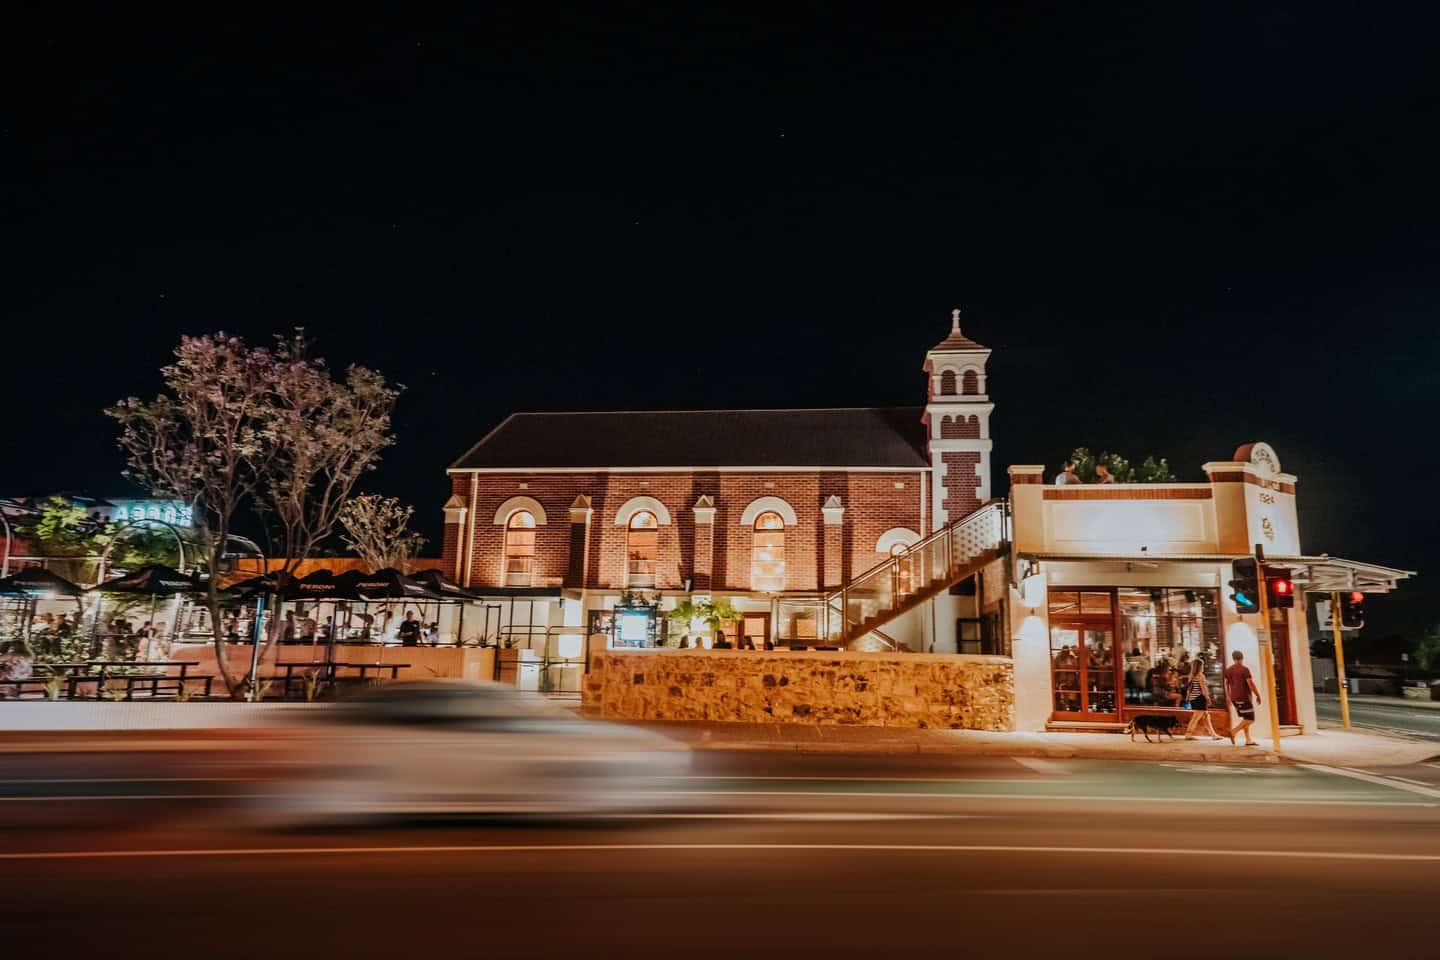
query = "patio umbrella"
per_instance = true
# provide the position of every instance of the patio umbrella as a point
(437, 582)
(390, 584)
(321, 585)
(152, 580)
(251, 587)
(38, 582)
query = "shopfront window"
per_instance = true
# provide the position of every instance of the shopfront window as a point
(1163, 630)
(642, 549)
(520, 549)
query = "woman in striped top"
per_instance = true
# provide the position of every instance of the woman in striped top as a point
(1197, 699)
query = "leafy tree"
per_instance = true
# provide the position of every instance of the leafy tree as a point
(242, 425)
(1150, 469)
(64, 529)
(1425, 651)
(378, 529)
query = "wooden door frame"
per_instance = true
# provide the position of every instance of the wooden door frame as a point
(1082, 622)
(740, 629)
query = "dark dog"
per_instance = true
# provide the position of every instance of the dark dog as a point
(1162, 725)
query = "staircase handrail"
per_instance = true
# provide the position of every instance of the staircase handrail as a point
(924, 542)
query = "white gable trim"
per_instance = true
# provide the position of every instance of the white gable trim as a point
(516, 504)
(895, 535)
(765, 504)
(634, 505)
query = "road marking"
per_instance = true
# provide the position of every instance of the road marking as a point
(662, 847)
(1047, 767)
(740, 778)
(80, 797)
(1431, 764)
(1418, 783)
(137, 780)
(1309, 801)
(1424, 791)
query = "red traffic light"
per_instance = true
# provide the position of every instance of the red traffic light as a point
(1284, 586)
(1356, 596)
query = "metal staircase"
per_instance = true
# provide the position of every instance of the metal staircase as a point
(898, 584)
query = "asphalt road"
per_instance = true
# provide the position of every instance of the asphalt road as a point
(1411, 721)
(137, 855)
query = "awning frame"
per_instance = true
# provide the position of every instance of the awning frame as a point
(1316, 574)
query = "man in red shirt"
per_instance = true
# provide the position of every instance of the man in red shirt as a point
(1243, 695)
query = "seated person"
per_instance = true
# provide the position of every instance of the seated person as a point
(1163, 686)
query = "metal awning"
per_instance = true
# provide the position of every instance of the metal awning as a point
(1321, 573)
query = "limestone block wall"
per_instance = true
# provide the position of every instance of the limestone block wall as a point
(870, 689)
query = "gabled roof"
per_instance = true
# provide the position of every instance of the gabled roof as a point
(873, 437)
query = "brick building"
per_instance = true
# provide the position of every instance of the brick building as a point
(572, 515)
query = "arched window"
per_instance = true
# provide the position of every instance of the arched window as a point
(642, 549)
(970, 383)
(520, 549)
(767, 553)
(947, 383)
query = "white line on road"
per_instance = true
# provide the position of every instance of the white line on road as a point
(1050, 768)
(1107, 798)
(678, 847)
(1392, 782)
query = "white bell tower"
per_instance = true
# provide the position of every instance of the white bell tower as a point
(957, 421)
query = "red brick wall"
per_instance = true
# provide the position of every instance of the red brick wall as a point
(959, 427)
(961, 483)
(872, 502)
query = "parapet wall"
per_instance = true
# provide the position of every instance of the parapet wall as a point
(881, 690)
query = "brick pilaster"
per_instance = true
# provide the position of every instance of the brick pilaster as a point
(703, 563)
(833, 546)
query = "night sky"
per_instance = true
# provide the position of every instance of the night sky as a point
(1179, 229)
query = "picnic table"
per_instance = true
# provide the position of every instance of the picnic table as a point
(102, 672)
(328, 671)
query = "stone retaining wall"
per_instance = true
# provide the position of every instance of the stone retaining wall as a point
(883, 690)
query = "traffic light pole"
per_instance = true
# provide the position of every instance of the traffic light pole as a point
(1267, 653)
(1340, 658)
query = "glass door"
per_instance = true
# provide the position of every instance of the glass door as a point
(1084, 671)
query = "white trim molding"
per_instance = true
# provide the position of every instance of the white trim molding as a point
(634, 505)
(895, 535)
(516, 504)
(765, 504)
(455, 509)
(704, 509)
(834, 511)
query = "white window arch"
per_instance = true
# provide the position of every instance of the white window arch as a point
(529, 504)
(768, 505)
(895, 536)
(635, 505)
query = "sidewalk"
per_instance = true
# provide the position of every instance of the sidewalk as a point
(1333, 747)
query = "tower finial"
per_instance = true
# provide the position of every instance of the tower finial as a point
(955, 320)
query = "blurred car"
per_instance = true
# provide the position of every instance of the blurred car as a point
(457, 747)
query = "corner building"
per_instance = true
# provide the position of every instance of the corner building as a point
(856, 544)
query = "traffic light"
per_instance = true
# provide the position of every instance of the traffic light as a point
(1245, 585)
(1279, 588)
(1352, 610)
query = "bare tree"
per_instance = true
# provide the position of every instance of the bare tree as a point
(228, 431)
(378, 529)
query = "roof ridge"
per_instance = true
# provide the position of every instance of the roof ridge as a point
(573, 413)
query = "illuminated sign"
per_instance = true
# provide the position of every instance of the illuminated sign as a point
(168, 511)
(634, 627)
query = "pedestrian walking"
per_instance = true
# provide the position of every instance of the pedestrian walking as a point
(1197, 699)
(1243, 695)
